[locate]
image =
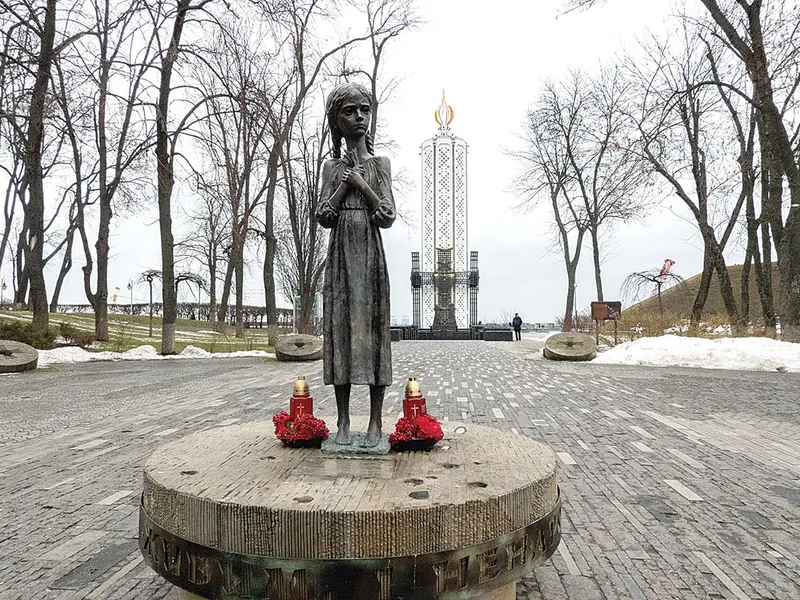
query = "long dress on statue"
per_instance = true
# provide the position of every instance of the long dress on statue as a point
(357, 347)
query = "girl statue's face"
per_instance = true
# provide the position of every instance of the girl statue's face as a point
(353, 117)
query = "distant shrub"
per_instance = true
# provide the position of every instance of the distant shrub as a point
(23, 332)
(74, 336)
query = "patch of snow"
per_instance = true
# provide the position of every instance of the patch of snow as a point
(677, 329)
(72, 354)
(194, 352)
(749, 353)
(145, 352)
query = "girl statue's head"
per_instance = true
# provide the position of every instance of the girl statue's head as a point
(333, 106)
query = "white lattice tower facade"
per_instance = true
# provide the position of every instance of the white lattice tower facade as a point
(444, 212)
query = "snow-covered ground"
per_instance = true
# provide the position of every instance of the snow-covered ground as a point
(746, 354)
(72, 354)
(751, 354)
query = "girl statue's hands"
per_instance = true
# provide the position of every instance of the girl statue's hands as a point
(353, 178)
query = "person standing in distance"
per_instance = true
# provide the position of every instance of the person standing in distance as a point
(516, 323)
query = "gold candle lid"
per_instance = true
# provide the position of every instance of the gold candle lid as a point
(301, 386)
(413, 389)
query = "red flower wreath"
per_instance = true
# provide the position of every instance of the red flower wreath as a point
(302, 429)
(422, 427)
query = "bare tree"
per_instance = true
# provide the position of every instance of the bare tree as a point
(231, 76)
(15, 78)
(546, 176)
(209, 235)
(292, 21)
(608, 177)
(112, 62)
(683, 129)
(386, 20)
(764, 37)
(639, 283)
(301, 251)
(165, 16)
(43, 22)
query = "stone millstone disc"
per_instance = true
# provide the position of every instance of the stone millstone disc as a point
(298, 347)
(238, 490)
(570, 346)
(16, 357)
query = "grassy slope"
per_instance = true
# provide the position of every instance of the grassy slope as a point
(678, 300)
(126, 332)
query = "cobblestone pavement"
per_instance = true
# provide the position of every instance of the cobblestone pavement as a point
(678, 483)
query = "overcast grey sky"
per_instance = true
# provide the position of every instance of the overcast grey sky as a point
(491, 59)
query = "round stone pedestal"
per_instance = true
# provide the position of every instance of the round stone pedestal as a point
(231, 514)
(298, 347)
(16, 357)
(570, 346)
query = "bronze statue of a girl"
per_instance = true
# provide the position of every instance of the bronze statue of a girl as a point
(355, 203)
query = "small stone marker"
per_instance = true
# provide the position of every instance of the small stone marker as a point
(570, 346)
(230, 513)
(298, 347)
(16, 357)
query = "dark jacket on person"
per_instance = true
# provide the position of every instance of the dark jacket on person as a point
(516, 323)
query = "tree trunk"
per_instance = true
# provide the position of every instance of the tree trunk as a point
(744, 288)
(226, 291)
(104, 200)
(34, 175)
(728, 297)
(9, 206)
(164, 168)
(269, 287)
(239, 293)
(789, 265)
(102, 247)
(21, 266)
(702, 292)
(66, 265)
(271, 244)
(212, 292)
(762, 265)
(598, 280)
(569, 308)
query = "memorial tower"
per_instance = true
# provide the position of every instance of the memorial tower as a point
(444, 274)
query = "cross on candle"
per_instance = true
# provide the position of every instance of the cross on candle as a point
(414, 409)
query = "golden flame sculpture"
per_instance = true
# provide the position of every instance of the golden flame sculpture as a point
(444, 114)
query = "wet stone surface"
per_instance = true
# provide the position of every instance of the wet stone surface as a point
(706, 507)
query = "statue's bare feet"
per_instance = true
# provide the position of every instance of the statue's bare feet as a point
(373, 435)
(343, 434)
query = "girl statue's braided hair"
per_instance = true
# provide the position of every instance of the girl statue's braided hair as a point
(332, 107)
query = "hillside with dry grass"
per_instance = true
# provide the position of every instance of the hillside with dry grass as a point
(678, 300)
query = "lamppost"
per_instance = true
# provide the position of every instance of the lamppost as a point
(2, 290)
(130, 289)
(149, 277)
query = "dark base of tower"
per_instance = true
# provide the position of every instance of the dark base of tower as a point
(410, 332)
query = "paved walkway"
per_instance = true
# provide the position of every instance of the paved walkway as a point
(678, 483)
